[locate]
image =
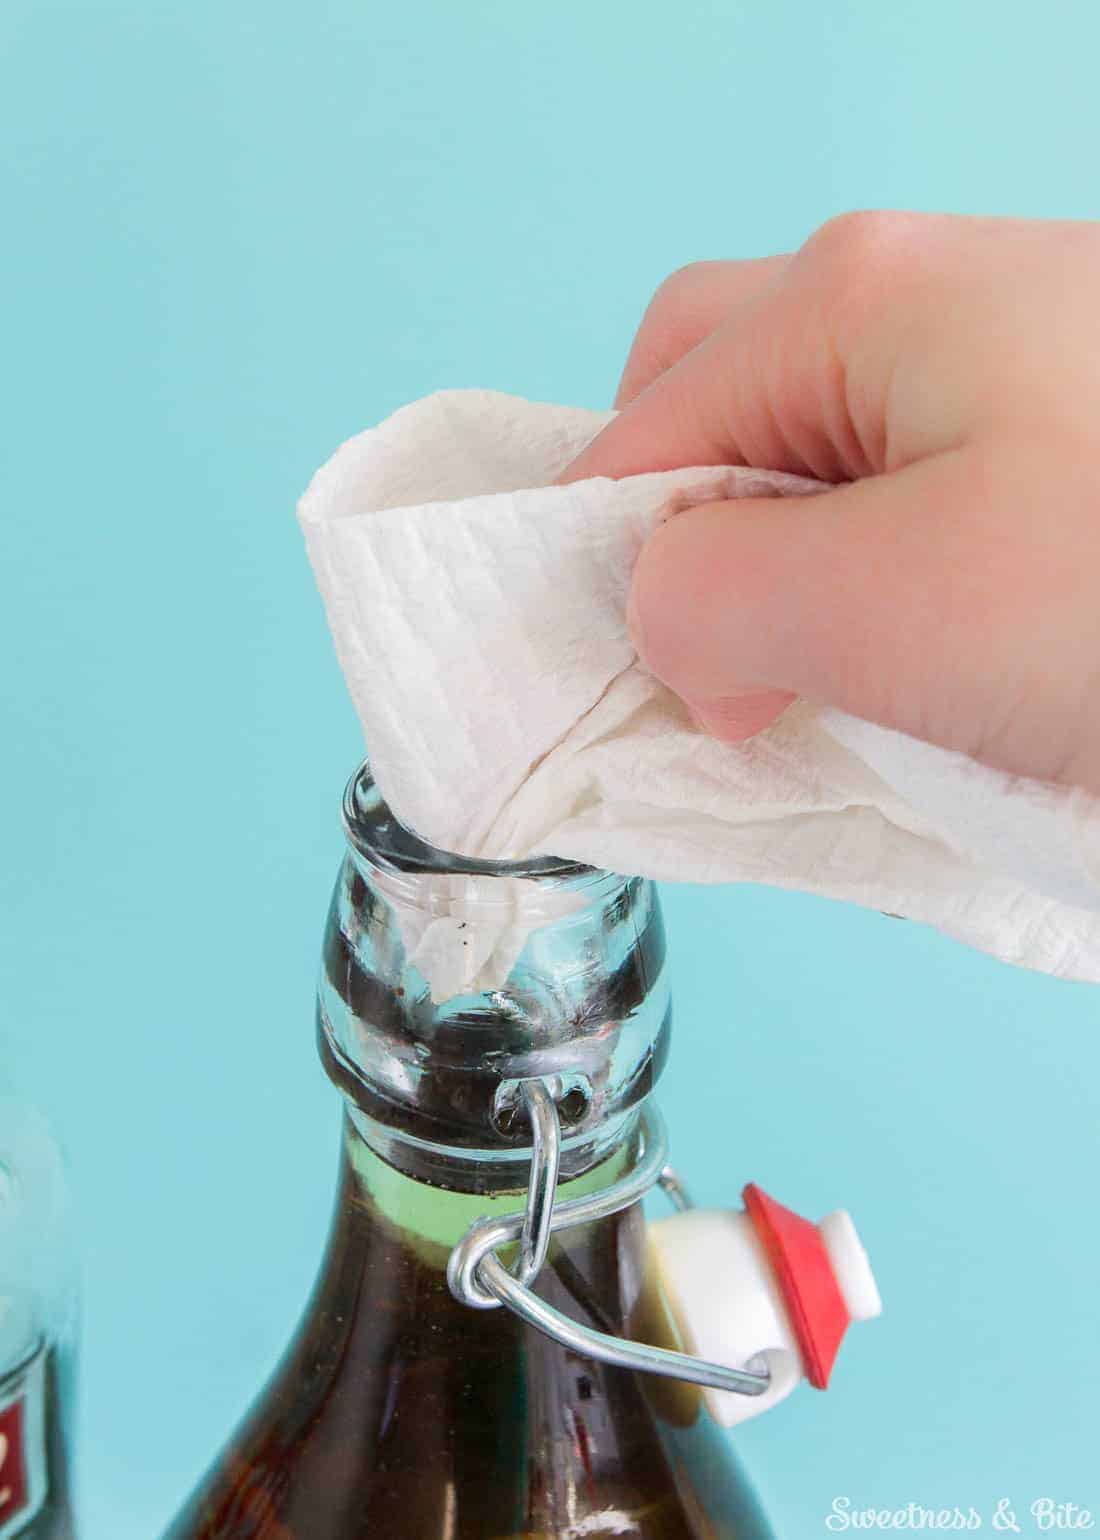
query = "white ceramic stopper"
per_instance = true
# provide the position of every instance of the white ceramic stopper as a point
(727, 1305)
(851, 1265)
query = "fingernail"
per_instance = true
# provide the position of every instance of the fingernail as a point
(737, 717)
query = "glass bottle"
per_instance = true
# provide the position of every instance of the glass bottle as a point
(37, 1329)
(398, 1411)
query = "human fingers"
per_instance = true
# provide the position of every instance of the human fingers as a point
(690, 304)
(937, 600)
(800, 375)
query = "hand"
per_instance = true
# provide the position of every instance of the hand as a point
(945, 373)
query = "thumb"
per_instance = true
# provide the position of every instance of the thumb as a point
(862, 597)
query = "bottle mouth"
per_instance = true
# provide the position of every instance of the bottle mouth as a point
(447, 980)
(377, 834)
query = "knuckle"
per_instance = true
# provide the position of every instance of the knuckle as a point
(674, 296)
(666, 326)
(681, 281)
(867, 264)
(866, 237)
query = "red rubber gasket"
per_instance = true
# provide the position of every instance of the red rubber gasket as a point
(819, 1316)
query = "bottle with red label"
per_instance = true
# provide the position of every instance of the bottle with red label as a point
(37, 1330)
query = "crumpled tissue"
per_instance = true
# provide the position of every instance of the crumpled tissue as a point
(478, 613)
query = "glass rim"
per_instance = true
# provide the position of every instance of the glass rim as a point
(388, 844)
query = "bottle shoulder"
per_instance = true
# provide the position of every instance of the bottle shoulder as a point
(398, 1411)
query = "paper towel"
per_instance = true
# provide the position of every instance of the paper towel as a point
(479, 616)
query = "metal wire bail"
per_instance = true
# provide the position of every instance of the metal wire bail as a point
(534, 1238)
(478, 1278)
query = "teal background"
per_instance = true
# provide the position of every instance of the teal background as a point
(234, 234)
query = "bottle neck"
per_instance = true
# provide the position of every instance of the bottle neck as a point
(446, 983)
(384, 1276)
(435, 1218)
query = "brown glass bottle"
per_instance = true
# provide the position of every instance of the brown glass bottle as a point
(397, 1412)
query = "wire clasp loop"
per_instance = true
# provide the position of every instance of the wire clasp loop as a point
(478, 1278)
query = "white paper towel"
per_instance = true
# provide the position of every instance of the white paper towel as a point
(479, 616)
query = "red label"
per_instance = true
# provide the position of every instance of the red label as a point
(13, 1465)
